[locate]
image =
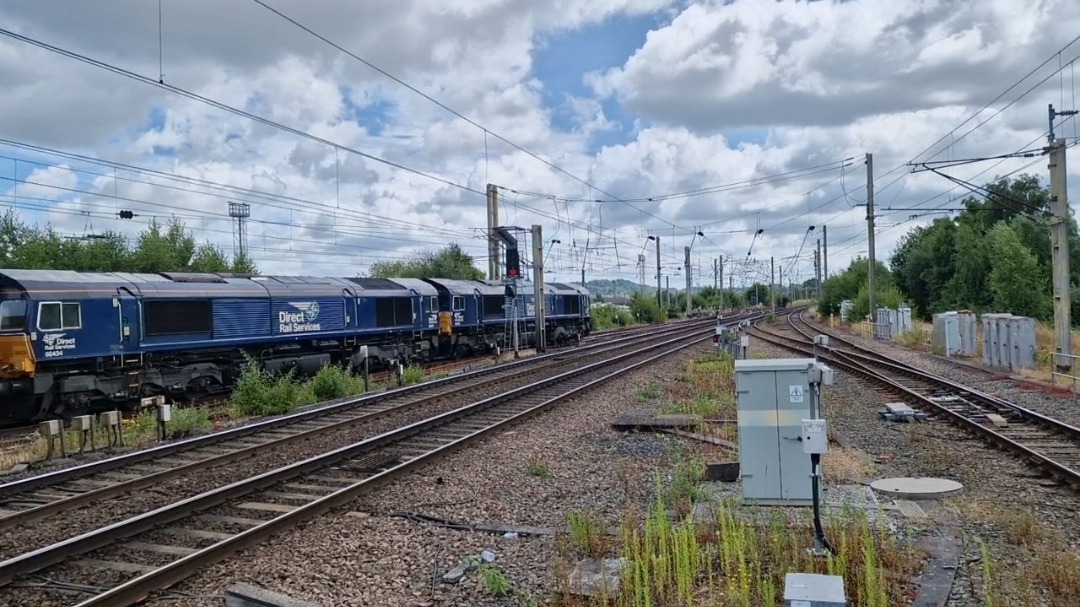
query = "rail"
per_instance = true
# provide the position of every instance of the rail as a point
(419, 442)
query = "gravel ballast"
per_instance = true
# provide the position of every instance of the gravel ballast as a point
(1065, 409)
(367, 557)
(41, 533)
(999, 489)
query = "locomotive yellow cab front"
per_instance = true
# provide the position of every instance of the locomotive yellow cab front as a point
(16, 354)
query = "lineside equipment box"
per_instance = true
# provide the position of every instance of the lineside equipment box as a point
(773, 398)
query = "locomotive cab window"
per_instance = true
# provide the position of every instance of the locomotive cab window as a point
(57, 316)
(13, 314)
(459, 303)
(433, 304)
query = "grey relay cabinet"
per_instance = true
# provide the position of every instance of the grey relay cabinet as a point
(773, 399)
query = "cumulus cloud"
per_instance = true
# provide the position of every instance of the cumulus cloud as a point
(716, 93)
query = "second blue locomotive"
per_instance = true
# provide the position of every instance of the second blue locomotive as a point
(75, 341)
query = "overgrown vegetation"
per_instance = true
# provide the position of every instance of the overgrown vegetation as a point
(993, 256)
(609, 317)
(707, 389)
(1041, 568)
(260, 393)
(158, 248)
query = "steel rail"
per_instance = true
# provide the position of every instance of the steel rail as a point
(868, 356)
(77, 499)
(846, 361)
(171, 448)
(139, 587)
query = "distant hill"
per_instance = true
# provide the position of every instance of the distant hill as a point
(617, 288)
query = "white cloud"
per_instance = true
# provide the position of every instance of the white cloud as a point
(718, 93)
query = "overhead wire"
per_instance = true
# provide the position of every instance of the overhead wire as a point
(228, 108)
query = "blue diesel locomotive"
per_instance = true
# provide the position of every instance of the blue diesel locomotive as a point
(73, 342)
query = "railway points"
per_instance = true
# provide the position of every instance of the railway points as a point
(448, 430)
(1050, 443)
(1015, 512)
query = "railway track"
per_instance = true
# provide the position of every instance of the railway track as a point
(1051, 444)
(38, 497)
(150, 551)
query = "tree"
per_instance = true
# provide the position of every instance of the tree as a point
(1014, 279)
(846, 284)
(157, 249)
(757, 294)
(949, 264)
(448, 262)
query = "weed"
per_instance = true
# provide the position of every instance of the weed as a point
(188, 421)
(413, 375)
(538, 468)
(650, 393)
(496, 581)
(587, 533)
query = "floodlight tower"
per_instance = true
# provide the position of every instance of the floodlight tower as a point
(240, 211)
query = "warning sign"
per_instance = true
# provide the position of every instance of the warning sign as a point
(795, 394)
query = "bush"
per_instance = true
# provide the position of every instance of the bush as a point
(412, 375)
(259, 393)
(607, 317)
(333, 381)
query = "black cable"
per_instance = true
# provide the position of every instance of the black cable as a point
(819, 531)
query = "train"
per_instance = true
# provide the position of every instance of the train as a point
(79, 342)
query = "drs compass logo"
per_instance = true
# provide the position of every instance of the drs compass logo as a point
(301, 321)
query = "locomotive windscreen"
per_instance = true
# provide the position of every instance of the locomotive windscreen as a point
(571, 304)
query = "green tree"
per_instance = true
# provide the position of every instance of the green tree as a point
(644, 308)
(209, 258)
(846, 284)
(448, 262)
(757, 294)
(1014, 279)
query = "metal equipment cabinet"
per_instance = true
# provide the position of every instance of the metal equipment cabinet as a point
(773, 398)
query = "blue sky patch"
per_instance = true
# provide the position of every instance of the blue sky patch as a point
(749, 135)
(561, 61)
(374, 117)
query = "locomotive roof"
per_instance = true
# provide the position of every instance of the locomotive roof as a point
(193, 284)
(416, 285)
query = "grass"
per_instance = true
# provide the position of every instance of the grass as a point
(587, 533)
(707, 389)
(257, 393)
(730, 558)
(536, 467)
(1041, 564)
(731, 561)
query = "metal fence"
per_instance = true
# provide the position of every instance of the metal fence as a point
(1070, 362)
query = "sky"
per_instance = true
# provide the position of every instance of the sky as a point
(359, 132)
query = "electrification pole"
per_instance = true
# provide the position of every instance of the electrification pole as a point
(641, 282)
(538, 287)
(493, 221)
(772, 282)
(817, 269)
(686, 262)
(825, 252)
(720, 273)
(1059, 235)
(659, 302)
(870, 233)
